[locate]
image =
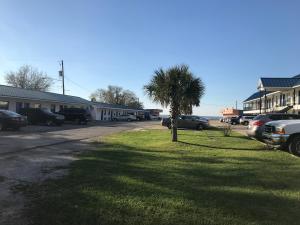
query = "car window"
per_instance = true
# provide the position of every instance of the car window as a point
(259, 117)
(276, 117)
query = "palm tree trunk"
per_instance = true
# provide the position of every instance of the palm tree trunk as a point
(174, 114)
(174, 129)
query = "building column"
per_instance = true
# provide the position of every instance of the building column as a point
(265, 101)
(259, 101)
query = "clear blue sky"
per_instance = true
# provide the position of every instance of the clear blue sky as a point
(229, 44)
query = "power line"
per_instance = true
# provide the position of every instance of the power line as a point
(78, 85)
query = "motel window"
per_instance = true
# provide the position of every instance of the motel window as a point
(19, 106)
(26, 105)
(4, 105)
(52, 108)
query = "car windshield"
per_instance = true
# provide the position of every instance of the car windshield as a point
(45, 110)
(10, 113)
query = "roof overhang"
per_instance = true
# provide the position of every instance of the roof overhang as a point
(43, 100)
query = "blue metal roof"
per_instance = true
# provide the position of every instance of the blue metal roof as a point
(257, 95)
(279, 82)
(13, 92)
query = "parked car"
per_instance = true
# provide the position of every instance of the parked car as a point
(9, 119)
(284, 133)
(78, 115)
(42, 116)
(257, 125)
(125, 118)
(140, 117)
(188, 122)
(245, 120)
(234, 120)
(154, 117)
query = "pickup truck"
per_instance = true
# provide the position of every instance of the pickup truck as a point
(284, 133)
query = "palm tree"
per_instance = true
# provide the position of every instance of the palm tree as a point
(177, 88)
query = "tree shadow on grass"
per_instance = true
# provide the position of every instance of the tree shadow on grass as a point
(122, 184)
(222, 147)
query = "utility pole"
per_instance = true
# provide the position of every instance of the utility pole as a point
(62, 75)
(236, 105)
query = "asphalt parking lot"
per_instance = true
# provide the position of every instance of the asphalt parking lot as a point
(36, 153)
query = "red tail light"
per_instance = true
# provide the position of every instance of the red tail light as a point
(258, 123)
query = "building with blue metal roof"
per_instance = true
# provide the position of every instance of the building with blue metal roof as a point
(275, 95)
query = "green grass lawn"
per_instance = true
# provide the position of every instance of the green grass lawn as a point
(142, 178)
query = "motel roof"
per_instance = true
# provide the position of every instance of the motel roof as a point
(20, 93)
(114, 106)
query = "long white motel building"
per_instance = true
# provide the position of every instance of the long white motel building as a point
(274, 95)
(14, 99)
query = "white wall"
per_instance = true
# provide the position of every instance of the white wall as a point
(12, 104)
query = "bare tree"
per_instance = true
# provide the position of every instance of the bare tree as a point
(28, 77)
(116, 95)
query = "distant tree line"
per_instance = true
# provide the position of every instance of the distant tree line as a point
(117, 95)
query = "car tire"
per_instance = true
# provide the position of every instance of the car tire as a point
(246, 123)
(200, 127)
(128, 120)
(294, 145)
(49, 123)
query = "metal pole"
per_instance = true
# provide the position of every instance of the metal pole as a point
(63, 76)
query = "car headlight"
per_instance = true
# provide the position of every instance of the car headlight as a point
(279, 130)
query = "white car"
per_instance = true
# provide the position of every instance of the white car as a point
(154, 117)
(284, 133)
(125, 118)
(245, 120)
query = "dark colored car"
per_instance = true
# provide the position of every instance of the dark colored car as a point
(235, 120)
(257, 125)
(78, 115)
(42, 116)
(9, 119)
(188, 122)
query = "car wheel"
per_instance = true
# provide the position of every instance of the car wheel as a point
(128, 120)
(200, 127)
(49, 123)
(294, 145)
(246, 123)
